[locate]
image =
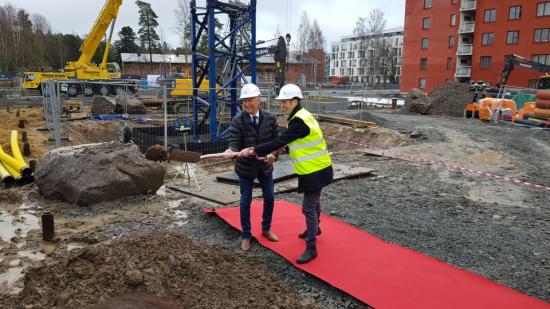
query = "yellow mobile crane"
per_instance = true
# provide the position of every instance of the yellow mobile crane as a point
(82, 76)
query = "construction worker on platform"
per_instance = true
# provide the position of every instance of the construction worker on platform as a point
(249, 128)
(310, 158)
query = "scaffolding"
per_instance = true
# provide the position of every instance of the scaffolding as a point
(230, 57)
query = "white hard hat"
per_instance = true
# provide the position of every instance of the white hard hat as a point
(290, 91)
(249, 91)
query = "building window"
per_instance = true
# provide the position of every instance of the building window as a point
(490, 15)
(453, 20)
(533, 83)
(485, 62)
(427, 4)
(449, 63)
(515, 12)
(425, 43)
(512, 37)
(543, 9)
(544, 59)
(487, 39)
(423, 63)
(454, 1)
(451, 41)
(422, 83)
(426, 23)
(542, 35)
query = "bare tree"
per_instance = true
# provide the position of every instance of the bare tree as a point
(316, 39)
(371, 44)
(182, 26)
(303, 33)
(40, 24)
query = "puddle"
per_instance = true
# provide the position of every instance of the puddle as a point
(161, 191)
(20, 225)
(10, 277)
(179, 215)
(73, 246)
(31, 254)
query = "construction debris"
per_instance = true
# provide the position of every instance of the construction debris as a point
(92, 173)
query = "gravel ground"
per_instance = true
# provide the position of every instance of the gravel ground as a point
(498, 230)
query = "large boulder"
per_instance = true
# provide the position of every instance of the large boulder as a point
(418, 102)
(92, 173)
(103, 105)
(121, 104)
(128, 104)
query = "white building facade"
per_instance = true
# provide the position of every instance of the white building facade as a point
(369, 59)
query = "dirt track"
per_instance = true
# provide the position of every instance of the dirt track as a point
(496, 229)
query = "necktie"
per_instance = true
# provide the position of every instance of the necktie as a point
(255, 120)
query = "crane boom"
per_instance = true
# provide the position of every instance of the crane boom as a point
(107, 15)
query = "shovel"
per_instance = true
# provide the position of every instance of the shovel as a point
(158, 153)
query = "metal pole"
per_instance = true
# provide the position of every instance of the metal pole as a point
(164, 104)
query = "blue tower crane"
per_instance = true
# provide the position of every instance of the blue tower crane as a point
(230, 57)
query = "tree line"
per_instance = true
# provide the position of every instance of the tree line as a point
(28, 43)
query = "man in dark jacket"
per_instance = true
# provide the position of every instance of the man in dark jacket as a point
(310, 159)
(249, 128)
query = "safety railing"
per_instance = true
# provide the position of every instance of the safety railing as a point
(464, 49)
(463, 71)
(468, 5)
(467, 27)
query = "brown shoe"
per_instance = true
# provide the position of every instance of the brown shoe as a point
(270, 236)
(245, 244)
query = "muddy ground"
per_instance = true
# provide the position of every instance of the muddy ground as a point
(496, 229)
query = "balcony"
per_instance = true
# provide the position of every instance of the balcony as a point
(463, 71)
(464, 50)
(468, 5)
(467, 27)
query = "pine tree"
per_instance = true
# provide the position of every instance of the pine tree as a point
(147, 25)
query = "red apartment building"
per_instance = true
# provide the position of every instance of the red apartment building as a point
(468, 40)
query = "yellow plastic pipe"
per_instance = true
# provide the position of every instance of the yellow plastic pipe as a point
(16, 152)
(4, 172)
(9, 161)
(6, 176)
(13, 172)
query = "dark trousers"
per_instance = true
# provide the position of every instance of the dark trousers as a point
(246, 186)
(311, 208)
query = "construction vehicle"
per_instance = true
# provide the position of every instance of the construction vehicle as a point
(513, 61)
(535, 112)
(83, 76)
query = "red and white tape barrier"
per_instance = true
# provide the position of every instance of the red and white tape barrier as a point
(452, 166)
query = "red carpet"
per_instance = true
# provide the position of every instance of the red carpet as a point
(376, 272)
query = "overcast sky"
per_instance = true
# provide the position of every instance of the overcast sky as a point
(336, 18)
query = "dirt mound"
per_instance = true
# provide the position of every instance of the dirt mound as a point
(375, 137)
(450, 99)
(166, 265)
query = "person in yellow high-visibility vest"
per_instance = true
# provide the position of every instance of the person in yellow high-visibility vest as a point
(310, 159)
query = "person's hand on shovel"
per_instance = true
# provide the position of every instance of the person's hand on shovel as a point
(247, 152)
(230, 154)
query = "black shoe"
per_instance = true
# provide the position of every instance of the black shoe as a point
(304, 234)
(308, 255)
